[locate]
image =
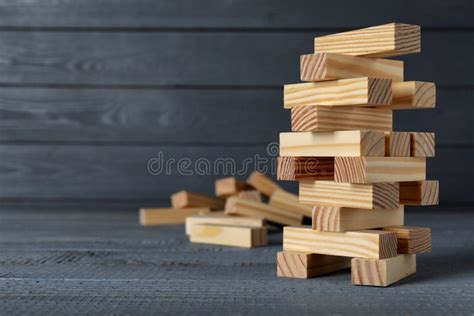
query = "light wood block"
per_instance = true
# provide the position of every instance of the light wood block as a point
(262, 183)
(252, 195)
(326, 118)
(412, 239)
(419, 192)
(340, 219)
(184, 199)
(163, 216)
(364, 243)
(237, 206)
(422, 144)
(225, 235)
(330, 66)
(412, 95)
(289, 201)
(379, 169)
(229, 186)
(304, 265)
(221, 218)
(364, 91)
(305, 168)
(385, 40)
(366, 196)
(331, 144)
(382, 272)
(397, 144)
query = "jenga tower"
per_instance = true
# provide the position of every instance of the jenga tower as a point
(352, 168)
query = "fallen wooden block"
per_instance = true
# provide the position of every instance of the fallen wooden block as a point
(382, 272)
(237, 206)
(419, 192)
(331, 144)
(364, 243)
(326, 118)
(366, 196)
(163, 216)
(422, 144)
(340, 219)
(289, 201)
(385, 40)
(229, 186)
(412, 239)
(397, 144)
(412, 95)
(184, 199)
(330, 66)
(364, 91)
(304, 265)
(221, 218)
(262, 183)
(252, 195)
(226, 235)
(305, 168)
(379, 169)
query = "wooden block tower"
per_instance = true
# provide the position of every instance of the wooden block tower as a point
(352, 168)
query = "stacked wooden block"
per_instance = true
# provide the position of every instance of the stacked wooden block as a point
(352, 168)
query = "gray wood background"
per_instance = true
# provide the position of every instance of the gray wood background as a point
(91, 90)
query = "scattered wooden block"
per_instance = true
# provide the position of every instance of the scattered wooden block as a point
(229, 186)
(330, 66)
(326, 118)
(252, 195)
(184, 199)
(163, 216)
(364, 91)
(385, 40)
(304, 265)
(262, 183)
(412, 95)
(419, 192)
(366, 196)
(412, 239)
(331, 144)
(305, 168)
(237, 206)
(226, 235)
(364, 243)
(397, 144)
(221, 218)
(289, 201)
(379, 169)
(422, 144)
(340, 219)
(382, 272)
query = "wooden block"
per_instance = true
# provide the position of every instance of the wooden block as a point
(237, 206)
(364, 91)
(412, 239)
(229, 186)
(226, 235)
(412, 95)
(331, 144)
(326, 118)
(184, 199)
(385, 40)
(221, 218)
(397, 144)
(382, 272)
(262, 183)
(330, 66)
(305, 168)
(340, 219)
(304, 265)
(163, 216)
(289, 201)
(422, 144)
(363, 243)
(419, 192)
(252, 195)
(366, 196)
(379, 169)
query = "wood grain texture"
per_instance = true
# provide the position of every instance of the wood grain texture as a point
(412, 239)
(163, 216)
(262, 183)
(221, 218)
(379, 169)
(184, 199)
(305, 168)
(364, 243)
(382, 272)
(289, 201)
(330, 144)
(363, 91)
(340, 219)
(302, 265)
(229, 186)
(422, 144)
(397, 144)
(252, 195)
(366, 196)
(227, 235)
(412, 95)
(385, 40)
(419, 192)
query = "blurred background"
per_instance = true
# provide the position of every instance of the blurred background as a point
(91, 90)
